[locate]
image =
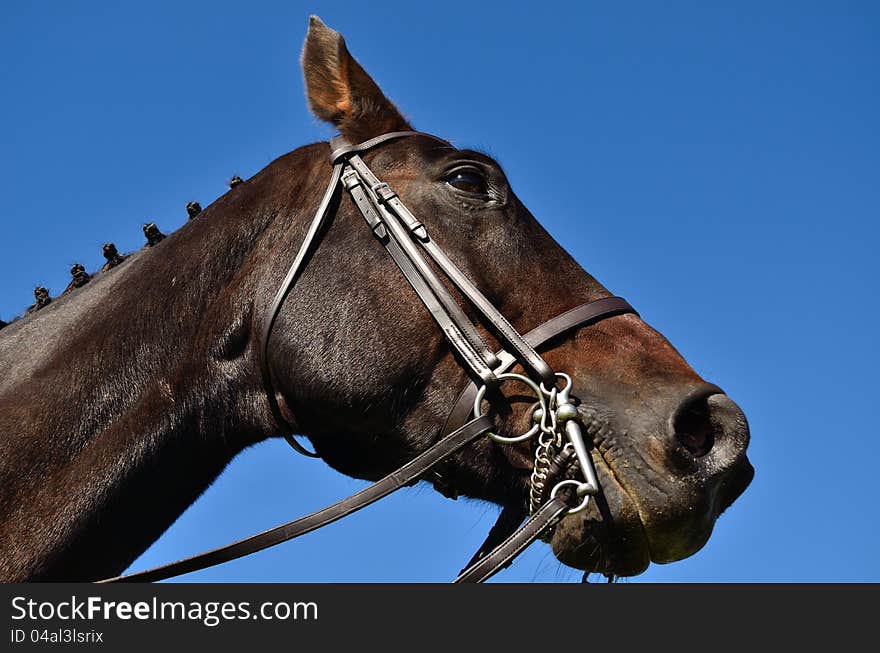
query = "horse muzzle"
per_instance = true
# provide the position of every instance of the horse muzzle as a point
(663, 481)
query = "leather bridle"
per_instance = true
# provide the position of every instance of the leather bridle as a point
(555, 423)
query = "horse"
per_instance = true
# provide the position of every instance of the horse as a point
(122, 400)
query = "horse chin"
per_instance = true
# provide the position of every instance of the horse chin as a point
(608, 537)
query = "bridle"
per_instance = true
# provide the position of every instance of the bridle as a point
(555, 422)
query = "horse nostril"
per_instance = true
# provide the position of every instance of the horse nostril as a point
(692, 425)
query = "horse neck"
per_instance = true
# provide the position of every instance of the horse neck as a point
(120, 403)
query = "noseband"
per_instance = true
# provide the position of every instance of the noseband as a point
(555, 423)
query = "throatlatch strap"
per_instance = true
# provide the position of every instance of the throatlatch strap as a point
(315, 228)
(339, 149)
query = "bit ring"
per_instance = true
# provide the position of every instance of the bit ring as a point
(577, 484)
(510, 376)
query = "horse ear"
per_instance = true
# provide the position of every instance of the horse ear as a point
(340, 91)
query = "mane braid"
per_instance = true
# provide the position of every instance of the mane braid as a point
(80, 277)
(41, 300)
(193, 209)
(112, 255)
(154, 236)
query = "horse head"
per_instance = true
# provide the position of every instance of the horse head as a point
(361, 368)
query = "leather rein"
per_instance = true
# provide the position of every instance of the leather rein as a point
(555, 424)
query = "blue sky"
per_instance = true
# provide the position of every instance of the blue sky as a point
(717, 166)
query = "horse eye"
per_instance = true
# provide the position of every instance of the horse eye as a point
(469, 181)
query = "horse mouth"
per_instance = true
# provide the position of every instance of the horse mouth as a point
(619, 534)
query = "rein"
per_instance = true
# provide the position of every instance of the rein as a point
(555, 425)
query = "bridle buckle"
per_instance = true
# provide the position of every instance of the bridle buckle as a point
(383, 192)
